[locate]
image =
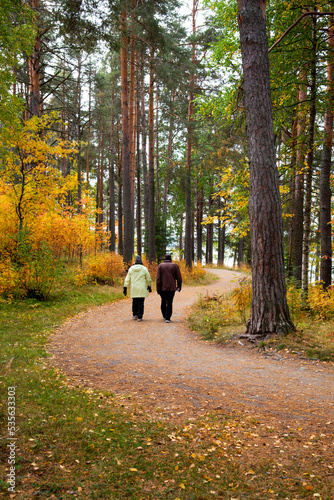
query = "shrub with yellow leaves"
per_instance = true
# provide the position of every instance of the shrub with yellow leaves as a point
(320, 301)
(194, 274)
(105, 268)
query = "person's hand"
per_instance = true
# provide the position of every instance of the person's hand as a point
(178, 289)
(125, 290)
(149, 289)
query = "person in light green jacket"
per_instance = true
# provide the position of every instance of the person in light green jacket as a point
(139, 281)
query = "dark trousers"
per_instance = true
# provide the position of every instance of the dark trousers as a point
(138, 307)
(167, 304)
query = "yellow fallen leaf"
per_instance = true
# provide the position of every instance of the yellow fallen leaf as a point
(79, 419)
(207, 477)
(133, 469)
(79, 489)
(182, 486)
(250, 472)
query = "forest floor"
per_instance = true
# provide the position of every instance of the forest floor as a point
(149, 410)
(172, 374)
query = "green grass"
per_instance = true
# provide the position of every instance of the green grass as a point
(73, 442)
(220, 318)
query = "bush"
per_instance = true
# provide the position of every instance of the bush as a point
(320, 301)
(9, 280)
(194, 274)
(32, 271)
(211, 314)
(106, 268)
(242, 296)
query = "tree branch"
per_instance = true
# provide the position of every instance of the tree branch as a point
(313, 13)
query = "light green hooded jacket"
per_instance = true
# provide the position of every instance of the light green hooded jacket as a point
(138, 279)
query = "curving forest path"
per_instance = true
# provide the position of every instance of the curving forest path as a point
(168, 372)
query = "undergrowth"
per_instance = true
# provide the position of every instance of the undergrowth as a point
(220, 317)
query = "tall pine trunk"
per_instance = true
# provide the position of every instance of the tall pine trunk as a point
(112, 243)
(128, 243)
(34, 67)
(298, 206)
(188, 240)
(269, 311)
(309, 163)
(325, 189)
(151, 183)
(144, 156)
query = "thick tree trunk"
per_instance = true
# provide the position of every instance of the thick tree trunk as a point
(128, 247)
(325, 189)
(270, 313)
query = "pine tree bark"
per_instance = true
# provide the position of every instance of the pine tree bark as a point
(151, 183)
(138, 171)
(144, 156)
(325, 189)
(168, 161)
(79, 128)
(199, 220)
(298, 206)
(292, 194)
(34, 65)
(128, 243)
(112, 222)
(209, 234)
(120, 193)
(188, 239)
(309, 164)
(269, 311)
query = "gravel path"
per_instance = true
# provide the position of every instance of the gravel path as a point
(170, 373)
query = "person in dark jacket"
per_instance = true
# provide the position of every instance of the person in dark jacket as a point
(169, 280)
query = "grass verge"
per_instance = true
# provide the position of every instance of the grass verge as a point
(72, 442)
(221, 317)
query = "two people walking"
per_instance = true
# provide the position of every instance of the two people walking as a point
(168, 280)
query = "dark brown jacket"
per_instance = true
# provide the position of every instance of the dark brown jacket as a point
(167, 276)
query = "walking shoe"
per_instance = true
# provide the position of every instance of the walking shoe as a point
(139, 319)
(167, 321)
(135, 317)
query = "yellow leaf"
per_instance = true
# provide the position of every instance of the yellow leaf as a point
(133, 469)
(182, 486)
(79, 489)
